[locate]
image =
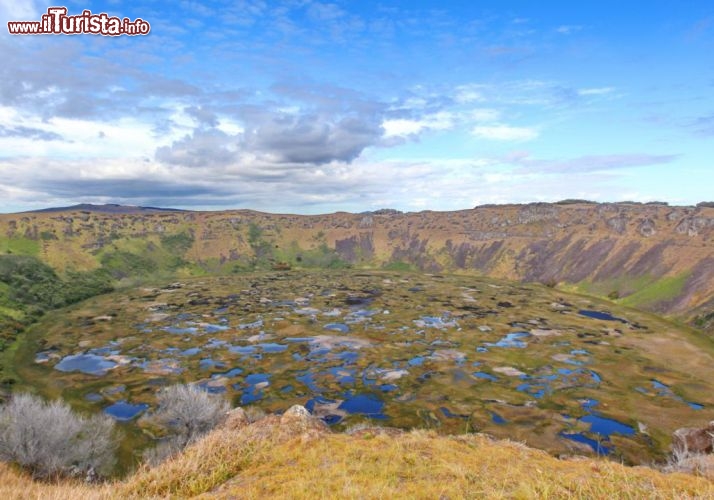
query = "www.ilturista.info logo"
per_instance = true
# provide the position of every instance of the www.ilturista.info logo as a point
(57, 22)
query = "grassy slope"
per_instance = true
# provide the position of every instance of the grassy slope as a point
(274, 459)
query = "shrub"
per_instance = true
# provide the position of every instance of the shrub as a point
(189, 412)
(50, 440)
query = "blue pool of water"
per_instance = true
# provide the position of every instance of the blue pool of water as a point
(497, 419)
(208, 363)
(123, 411)
(249, 397)
(606, 426)
(104, 351)
(293, 340)
(247, 349)
(114, 390)
(349, 357)
(596, 446)
(257, 378)
(271, 347)
(209, 328)
(343, 375)
(337, 327)
(512, 340)
(416, 361)
(189, 330)
(229, 374)
(85, 363)
(310, 404)
(535, 390)
(332, 419)
(600, 315)
(191, 352)
(364, 404)
(486, 376)
(308, 378)
(212, 389)
(664, 390)
(449, 414)
(253, 394)
(328, 419)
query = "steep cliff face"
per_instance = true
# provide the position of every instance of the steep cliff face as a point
(655, 257)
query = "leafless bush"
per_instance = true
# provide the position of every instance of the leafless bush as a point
(188, 412)
(49, 439)
(683, 460)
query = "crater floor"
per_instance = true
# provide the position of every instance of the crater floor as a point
(564, 373)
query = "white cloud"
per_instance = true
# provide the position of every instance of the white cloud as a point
(504, 133)
(469, 93)
(483, 115)
(73, 137)
(596, 91)
(568, 29)
(401, 127)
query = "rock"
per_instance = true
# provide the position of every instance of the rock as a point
(694, 440)
(509, 371)
(448, 355)
(617, 224)
(392, 375)
(297, 417)
(296, 412)
(236, 419)
(540, 332)
(647, 228)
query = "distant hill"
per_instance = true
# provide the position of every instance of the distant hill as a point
(109, 208)
(650, 256)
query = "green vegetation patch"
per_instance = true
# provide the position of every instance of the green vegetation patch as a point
(121, 264)
(398, 266)
(614, 288)
(19, 246)
(177, 244)
(658, 291)
(321, 257)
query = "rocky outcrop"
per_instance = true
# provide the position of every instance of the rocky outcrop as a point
(692, 440)
(236, 419)
(298, 417)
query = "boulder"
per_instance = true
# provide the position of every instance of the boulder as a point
(236, 419)
(299, 417)
(298, 412)
(694, 440)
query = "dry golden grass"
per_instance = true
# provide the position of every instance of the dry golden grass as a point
(15, 484)
(274, 459)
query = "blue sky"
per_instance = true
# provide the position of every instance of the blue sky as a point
(312, 107)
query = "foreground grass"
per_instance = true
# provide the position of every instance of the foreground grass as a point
(299, 459)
